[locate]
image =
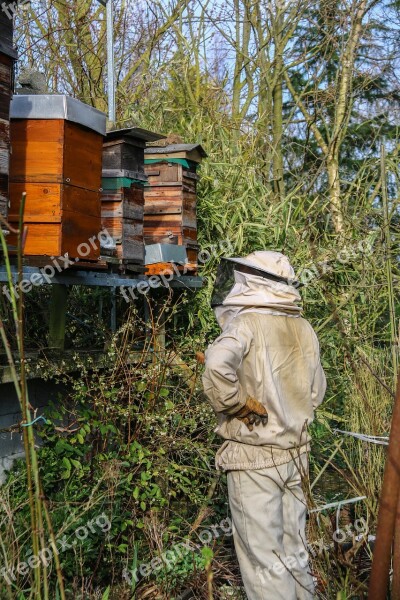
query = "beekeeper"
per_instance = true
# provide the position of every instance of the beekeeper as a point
(264, 379)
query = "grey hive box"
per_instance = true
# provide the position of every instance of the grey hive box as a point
(6, 28)
(123, 149)
(122, 200)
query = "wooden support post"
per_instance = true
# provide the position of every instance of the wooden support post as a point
(147, 319)
(113, 310)
(155, 324)
(58, 312)
(159, 324)
(100, 311)
(396, 556)
(388, 507)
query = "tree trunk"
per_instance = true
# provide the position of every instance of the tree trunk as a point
(334, 192)
(277, 132)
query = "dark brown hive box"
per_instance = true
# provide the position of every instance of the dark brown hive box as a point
(56, 159)
(171, 196)
(122, 200)
(7, 59)
(6, 28)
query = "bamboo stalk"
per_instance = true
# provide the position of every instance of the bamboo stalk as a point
(338, 445)
(9, 278)
(28, 437)
(10, 359)
(388, 261)
(40, 585)
(20, 391)
(60, 578)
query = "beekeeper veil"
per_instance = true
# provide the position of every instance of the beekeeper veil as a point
(263, 281)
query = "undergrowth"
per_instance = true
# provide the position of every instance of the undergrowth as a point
(126, 461)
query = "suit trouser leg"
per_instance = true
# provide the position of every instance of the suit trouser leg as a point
(267, 538)
(294, 524)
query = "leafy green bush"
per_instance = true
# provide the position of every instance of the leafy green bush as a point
(132, 443)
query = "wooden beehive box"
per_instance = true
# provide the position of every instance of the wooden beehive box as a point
(56, 159)
(171, 196)
(122, 217)
(7, 59)
(122, 200)
(7, 10)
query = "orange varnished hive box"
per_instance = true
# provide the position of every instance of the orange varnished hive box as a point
(57, 159)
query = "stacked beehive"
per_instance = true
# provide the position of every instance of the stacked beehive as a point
(171, 196)
(7, 58)
(56, 159)
(122, 198)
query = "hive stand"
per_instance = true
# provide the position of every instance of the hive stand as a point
(60, 282)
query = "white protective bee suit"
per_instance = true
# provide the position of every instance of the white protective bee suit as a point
(266, 351)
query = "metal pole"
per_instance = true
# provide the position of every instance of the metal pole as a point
(388, 508)
(110, 61)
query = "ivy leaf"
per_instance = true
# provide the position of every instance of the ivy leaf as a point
(66, 463)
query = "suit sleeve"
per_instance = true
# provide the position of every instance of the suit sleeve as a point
(319, 384)
(220, 380)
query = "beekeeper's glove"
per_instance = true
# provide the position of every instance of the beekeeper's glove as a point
(252, 413)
